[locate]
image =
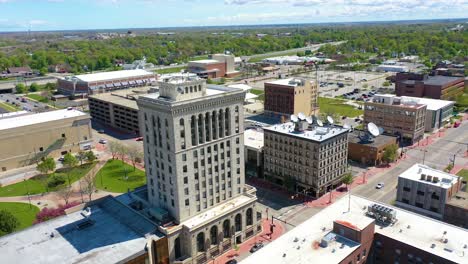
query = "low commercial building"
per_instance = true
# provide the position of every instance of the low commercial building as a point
(253, 153)
(290, 96)
(438, 112)
(401, 117)
(220, 65)
(456, 210)
(435, 87)
(392, 68)
(365, 151)
(101, 82)
(103, 231)
(359, 230)
(25, 139)
(118, 109)
(426, 191)
(305, 158)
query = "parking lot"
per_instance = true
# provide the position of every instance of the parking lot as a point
(23, 103)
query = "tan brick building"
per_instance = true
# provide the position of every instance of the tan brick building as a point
(368, 152)
(27, 138)
(398, 116)
(290, 96)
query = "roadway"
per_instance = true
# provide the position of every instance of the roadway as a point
(28, 105)
(437, 155)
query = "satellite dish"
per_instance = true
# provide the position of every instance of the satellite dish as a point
(309, 120)
(381, 130)
(319, 123)
(346, 126)
(301, 116)
(373, 129)
(330, 120)
(294, 118)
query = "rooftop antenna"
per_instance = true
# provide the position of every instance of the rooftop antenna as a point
(373, 129)
(330, 120)
(294, 118)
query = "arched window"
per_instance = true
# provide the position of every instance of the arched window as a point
(238, 222)
(227, 228)
(248, 217)
(214, 235)
(201, 242)
(191, 89)
(177, 248)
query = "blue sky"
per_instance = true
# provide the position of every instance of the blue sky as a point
(18, 15)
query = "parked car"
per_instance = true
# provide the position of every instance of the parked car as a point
(139, 139)
(256, 247)
(61, 159)
(101, 131)
(102, 141)
(380, 185)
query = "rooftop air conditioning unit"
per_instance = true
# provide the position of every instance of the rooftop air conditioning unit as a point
(423, 177)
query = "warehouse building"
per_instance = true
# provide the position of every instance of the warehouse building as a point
(26, 139)
(220, 65)
(95, 83)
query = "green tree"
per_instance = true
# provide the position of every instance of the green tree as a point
(386, 84)
(34, 87)
(347, 179)
(20, 88)
(8, 222)
(48, 164)
(390, 153)
(81, 156)
(90, 157)
(69, 162)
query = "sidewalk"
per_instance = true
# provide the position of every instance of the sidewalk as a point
(244, 248)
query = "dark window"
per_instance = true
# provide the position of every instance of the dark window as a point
(420, 193)
(406, 189)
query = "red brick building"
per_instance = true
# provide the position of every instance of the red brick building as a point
(436, 87)
(220, 65)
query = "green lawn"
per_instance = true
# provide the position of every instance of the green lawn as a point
(171, 70)
(38, 97)
(331, 105)
(463, 173)
(36, 185)
(8, 107)
(111, 177)
(22, 211)
(260, 93)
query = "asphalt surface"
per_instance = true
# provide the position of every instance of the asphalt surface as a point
(29, 105)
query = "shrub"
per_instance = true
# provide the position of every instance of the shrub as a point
(50, 213)
(55, 181)
(8, 222)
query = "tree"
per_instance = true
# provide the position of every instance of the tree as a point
(390, 153)
(69, 162)
(89, 185)
(65, 193)
(46, 165)
(386, 84)
(347, 179)
(20, 88)
(114, 148)
(90, 157)
(81, 156)
(34, 87)
(8, 222)
(135, 156)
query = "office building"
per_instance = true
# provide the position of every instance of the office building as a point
(253, 142)
(305, 158)
(220, 65)
(401, 117)
(427, 191)
(357, 230)
(438, 112)
(290, 96)
(104, 82)
(118, 109)
(194, 159)
(107, 230)
(435, 87)
(365, 151)
(26, 139)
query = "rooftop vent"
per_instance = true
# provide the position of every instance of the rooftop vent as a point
(423, 177)
(435, 179)
(433, 245)
(429, 178)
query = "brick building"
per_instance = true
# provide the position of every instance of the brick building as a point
(220, 65)
(290, 96)
(436, 87)
(401, 117)
(357, 230)
(368, 152)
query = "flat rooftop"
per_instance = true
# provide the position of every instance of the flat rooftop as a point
(460, 199)
(432, 104)
(412, 229)
(116, 233)
(291, 82)
(382, 140)
(397, 101)
(442, 80)
(27, 120)
(126, 98)
(318, 134)
(446, 180)
(211, 90)
(253, 138)
(112, 75)
(179, 78)
(207, 61)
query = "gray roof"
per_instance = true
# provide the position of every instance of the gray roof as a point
(116, 233)
(441, 80)
(382, 140)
